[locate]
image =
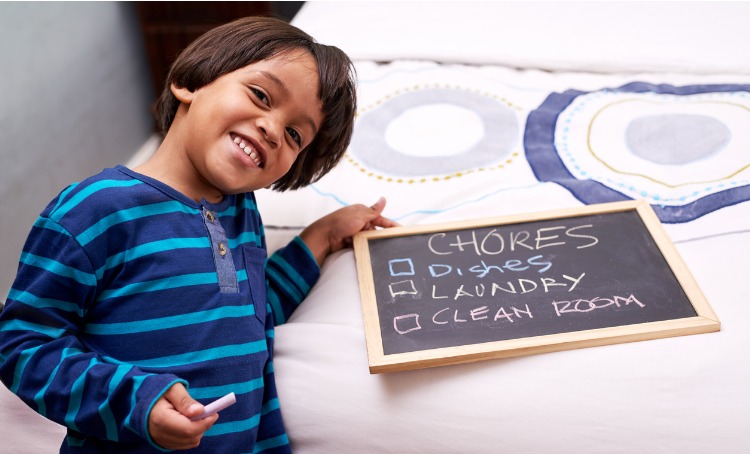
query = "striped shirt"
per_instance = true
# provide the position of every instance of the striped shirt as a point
(126, 287)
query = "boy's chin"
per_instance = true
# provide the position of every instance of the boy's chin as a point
(245, 189)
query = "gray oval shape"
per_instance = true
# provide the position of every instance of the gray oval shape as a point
(370, 147)
(676, 138)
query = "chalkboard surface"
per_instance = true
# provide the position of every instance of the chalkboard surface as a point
(444, 294)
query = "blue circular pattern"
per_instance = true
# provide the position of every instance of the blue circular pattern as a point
(655, 137)
(544, 157)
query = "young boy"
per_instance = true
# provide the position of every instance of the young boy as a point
(144, 294)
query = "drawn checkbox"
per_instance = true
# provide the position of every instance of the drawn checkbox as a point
(401, 267)
(406, 323)
(402, 288)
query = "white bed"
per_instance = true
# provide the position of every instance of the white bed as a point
(440, 79)
(437, 79)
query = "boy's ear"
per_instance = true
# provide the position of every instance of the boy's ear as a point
(182, 94)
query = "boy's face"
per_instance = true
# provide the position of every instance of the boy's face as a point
(244, 130)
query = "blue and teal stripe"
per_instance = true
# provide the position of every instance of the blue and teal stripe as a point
(245, 424)
(175, 282)
(55, 267)
(64, 194)
(76, 397)
(39, 396)
(23, 325)
(37, 302)
(244, 238)
(247, 204)
(137, 382)
(105, 411)
(270, 443)
(280, 269)
(174, 321)
(23, 361)
(132, 214)
(205, 355)
(47, 223)
(214, 392)
(279, 317)
(64, 208)
(153, 247)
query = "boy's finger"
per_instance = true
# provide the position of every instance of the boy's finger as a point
(179, 397)
(384, 222)
(379, 205)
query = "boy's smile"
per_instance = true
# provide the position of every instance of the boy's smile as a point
(249, 148)
(243, 131)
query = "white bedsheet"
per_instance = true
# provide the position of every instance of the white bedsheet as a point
(676, 395)
(685, 395)
(597, 36)
(437, 79)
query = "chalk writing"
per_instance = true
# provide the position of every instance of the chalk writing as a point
(494, 242)
(403, 288)
(483, 268)
(581, 305)
(401, 267)
(466, 291)
(481, 277)
(519, 286)
(445, 288)
(404, 324)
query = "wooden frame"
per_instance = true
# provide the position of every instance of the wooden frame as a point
(705, 321)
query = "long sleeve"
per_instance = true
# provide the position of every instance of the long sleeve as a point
(125, 287)
(290, 272)
(42, 358)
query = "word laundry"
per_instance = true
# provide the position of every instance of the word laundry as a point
(516, 286)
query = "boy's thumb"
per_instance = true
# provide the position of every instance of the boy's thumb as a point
(379, 205)
(179, 397)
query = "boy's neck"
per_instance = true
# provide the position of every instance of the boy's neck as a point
(163, 167)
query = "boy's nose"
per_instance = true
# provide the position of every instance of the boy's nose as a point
(270, 130)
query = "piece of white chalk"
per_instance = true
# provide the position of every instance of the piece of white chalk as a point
(216, 406)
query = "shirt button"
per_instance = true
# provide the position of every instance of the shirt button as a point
(222, 250)
(209, 216)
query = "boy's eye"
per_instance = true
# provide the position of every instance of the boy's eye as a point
(295, 136)
(260, 95)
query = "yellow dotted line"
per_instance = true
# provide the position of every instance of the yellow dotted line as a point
(419, 87)
(435, 179)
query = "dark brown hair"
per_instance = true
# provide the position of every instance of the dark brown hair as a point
(237, 44)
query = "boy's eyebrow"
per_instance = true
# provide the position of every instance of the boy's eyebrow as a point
(282, 87)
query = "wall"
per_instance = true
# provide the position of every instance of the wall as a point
(74, 98)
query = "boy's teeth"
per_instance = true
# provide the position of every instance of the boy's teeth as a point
(248, 150)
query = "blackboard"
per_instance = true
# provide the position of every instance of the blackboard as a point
(518, 285)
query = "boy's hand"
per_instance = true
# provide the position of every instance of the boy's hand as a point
(169, 422)
(335, 231)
